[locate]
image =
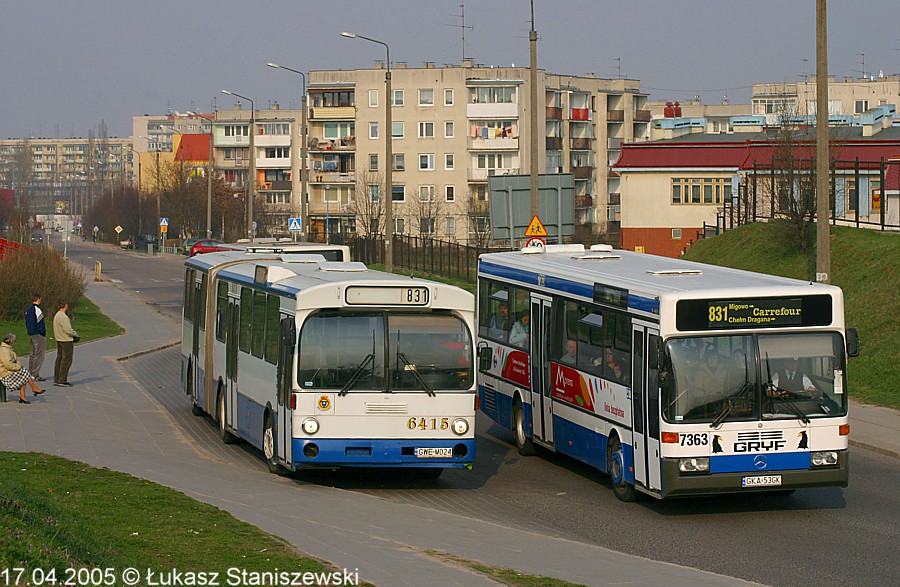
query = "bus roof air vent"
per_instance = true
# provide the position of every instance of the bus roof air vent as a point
(663, 272)
(270, 274)
(288, 257)
(592, 256)
(342, 266)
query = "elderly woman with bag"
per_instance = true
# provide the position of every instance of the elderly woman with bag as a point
(12, 373)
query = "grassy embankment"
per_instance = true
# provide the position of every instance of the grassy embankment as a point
(87, 320)
(865, 264)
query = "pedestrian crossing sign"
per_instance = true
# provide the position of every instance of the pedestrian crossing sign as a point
(536, 228)
(164, 222)
(294, 224)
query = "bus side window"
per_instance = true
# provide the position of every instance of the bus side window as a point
(495, 317)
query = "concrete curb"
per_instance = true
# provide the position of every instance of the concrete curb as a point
(148, 351)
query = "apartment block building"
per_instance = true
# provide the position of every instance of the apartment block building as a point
(453, 127)
(846, 96)
(64, 176)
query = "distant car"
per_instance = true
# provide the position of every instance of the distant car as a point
(187, 244)
(37, 236)
(142, 240)
(126, 243)
(209, 246)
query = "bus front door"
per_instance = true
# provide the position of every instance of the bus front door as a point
(541, 401)
(285, 368)
(645, 407)
(231, 368)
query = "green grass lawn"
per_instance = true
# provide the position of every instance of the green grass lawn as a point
(865, 264)
(87, 319)
(56, 514)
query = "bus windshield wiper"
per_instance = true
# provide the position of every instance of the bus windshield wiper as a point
(410, 367)
(356, 374)
(720, 417)
(786, 398)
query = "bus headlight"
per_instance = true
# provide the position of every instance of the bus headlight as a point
(310, 425)
(460, 426)
(694, 465)
(824, 458)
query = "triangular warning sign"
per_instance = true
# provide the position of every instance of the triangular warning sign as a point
(536, 228)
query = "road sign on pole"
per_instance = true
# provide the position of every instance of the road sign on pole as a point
(294, 224)
(536, 228)
(164, 222)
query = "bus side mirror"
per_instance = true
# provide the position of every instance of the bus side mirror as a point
(484, 357)
(852, 342)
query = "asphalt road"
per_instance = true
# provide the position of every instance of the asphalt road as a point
(815, 537)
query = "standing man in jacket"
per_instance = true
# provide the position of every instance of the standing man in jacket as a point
(65, 345)
(37, 331)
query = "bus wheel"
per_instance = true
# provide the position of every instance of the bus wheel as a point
(197, 410)
(523, 443)
(615, 463)
(424, 473)
(268, 446)
(227, 437)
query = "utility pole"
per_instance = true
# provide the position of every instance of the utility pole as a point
(823, 232)
(532, 38)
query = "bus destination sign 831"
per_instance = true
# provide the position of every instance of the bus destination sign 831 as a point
(753, 313)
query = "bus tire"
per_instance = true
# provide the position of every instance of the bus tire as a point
(268, 446)
(523, 443)
(615, 465)
(227, 437)
(197, 410)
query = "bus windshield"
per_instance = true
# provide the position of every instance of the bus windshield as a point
(739, 377)
(376, 351)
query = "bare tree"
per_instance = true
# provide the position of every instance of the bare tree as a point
(18, 175)
(426, 211)
(478, 220)
(369, 210)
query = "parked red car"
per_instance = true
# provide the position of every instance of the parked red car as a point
(209, 246)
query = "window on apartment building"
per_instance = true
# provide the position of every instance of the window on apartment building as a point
(339, 130)
(449, 161)
(398, 161)
(426, 225)
(479, 193)
(676, 234)
(396, 97)
(493, 95)
(274, 128)
(331, 194)
(448, 97)
(333, 99)
(373, 161)
(426, 162)
(278, 152)
(426, 97)
(398, 130)
(237, 130)
(399, 226)
(374, 191)
(448, 129)
(373, 98)
(398, 193)
(700, 190)
(450, 226)
(449, 193)
(426, 130)
(373, 130)
(278, 197)
(237, 153)
(494, 161)
(860, 106)
(426, 193)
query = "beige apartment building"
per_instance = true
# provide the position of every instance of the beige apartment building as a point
(453, 127)
(847, 96)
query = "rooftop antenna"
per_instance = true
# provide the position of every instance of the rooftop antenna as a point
(862, 63)
(618, 61)
(463, 27)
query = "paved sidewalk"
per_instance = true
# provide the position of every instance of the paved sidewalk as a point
(108, 420)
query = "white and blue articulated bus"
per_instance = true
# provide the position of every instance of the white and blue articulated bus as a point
(325, 364)
(676, 378)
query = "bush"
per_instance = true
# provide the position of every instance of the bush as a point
(37, 269)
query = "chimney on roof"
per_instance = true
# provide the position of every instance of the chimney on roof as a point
(238, 106)
(468, 63)
(429, 65)
(276, 106)
(379, 64)
(400, 65)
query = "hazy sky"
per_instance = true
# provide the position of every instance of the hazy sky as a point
(65, 65)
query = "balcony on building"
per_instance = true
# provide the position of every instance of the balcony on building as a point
(615, 116)
(554, 113)
(494, 143)
(580, 114)
(614, 143)
(581, 144)
(554, 143)
(319, 144)
(584, 201)
(583, 171)
(642, 116)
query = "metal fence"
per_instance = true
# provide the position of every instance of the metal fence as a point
(421, 254)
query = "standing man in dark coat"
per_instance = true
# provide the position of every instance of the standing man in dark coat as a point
(37, 331)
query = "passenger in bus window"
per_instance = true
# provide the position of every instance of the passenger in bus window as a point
(500, 322)
(614, 367)
(520, 332)
(711, 377)
(571, 353)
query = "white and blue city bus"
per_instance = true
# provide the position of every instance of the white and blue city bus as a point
(325, 364)
(676, 378)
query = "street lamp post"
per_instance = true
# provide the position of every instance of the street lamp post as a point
(304, 204)
(388, 168)
(251, 190)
